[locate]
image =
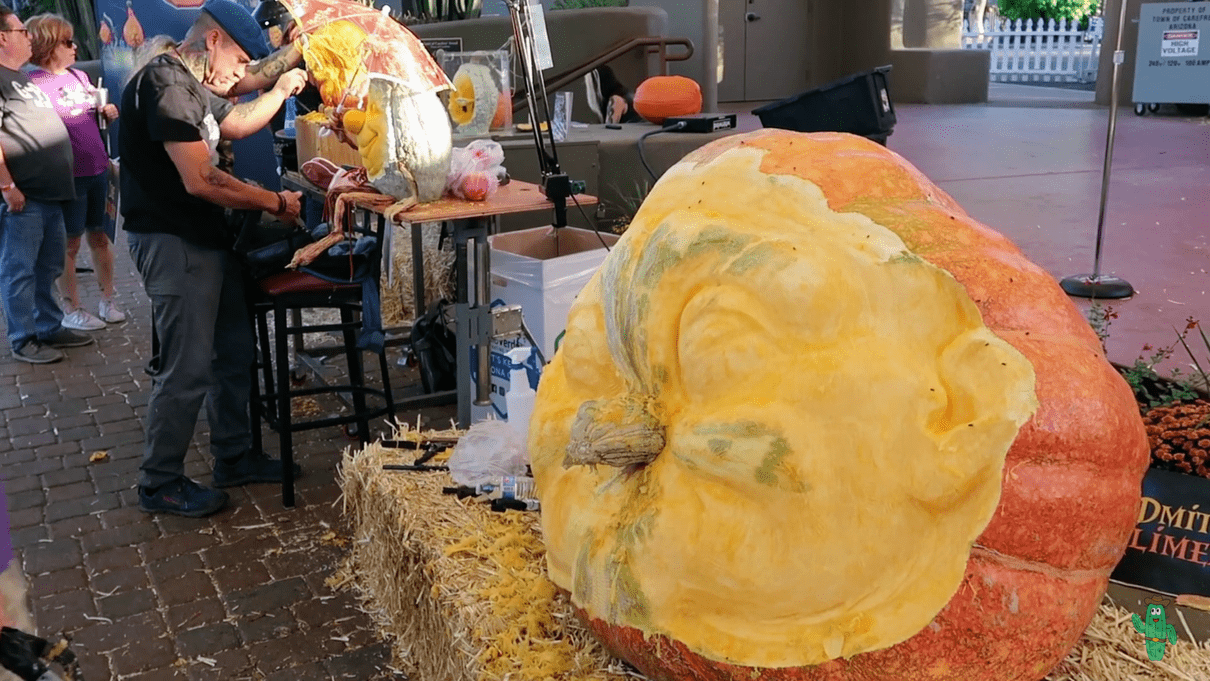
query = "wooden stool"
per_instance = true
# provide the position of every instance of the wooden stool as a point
(283, 294)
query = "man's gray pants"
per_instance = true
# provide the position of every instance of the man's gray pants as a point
(205, 355)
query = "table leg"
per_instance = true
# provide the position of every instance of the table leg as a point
(473, 317)
(483, 297)
(418, 268)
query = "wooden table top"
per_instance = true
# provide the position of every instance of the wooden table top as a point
(515, 197)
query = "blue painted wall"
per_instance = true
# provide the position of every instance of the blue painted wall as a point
(254, 158)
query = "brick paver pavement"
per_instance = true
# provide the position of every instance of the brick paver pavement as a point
(240, 595)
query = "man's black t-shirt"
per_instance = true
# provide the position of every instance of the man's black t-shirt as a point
(36, 147)
(164, 103)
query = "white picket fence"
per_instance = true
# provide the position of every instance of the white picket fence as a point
(1025, 50)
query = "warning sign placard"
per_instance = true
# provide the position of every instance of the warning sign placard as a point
(1170, 65)
(1179, 44)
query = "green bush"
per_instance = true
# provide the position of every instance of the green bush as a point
(1047, 9)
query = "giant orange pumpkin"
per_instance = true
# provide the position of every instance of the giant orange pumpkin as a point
(659, 97)
(811, 421)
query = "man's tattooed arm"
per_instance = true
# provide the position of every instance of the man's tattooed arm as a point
(206, 182)
(246, 118)
(217, 178)
(263, 74)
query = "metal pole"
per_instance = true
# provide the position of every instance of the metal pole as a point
(1095, 285)
(483, 294)
(710, 55)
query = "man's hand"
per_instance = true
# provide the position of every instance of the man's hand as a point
(15, 199)
(293, 207)
(249, 117)
(617, 109)
(110, 112)
(291, 82)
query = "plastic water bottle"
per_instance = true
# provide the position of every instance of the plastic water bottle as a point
(516, 487)
(508, 487)
(291, 113)
(519, 400)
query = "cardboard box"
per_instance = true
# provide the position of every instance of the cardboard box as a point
(542, 270)
(315, 141)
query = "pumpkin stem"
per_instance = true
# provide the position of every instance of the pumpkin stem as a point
(617, 432)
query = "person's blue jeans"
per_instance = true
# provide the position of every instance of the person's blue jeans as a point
(205, 355)
(33, 246)
(313, 211)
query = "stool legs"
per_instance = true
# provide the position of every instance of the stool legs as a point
(284, 427)
(274, 404)
(356, 374)
(262, 330)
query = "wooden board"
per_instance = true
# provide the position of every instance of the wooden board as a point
(514, 197)
(313, 144)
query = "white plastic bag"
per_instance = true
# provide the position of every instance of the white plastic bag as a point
(489, 450)
(475, 170)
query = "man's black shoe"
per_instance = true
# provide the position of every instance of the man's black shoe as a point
(66, 338)
(182, 497)
(253, 466)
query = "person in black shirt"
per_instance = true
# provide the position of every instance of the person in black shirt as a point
(173, 196)
(36, 181)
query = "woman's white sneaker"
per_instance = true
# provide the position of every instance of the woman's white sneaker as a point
(111, 313)
(81, 320)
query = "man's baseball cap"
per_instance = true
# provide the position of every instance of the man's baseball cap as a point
(239, 24)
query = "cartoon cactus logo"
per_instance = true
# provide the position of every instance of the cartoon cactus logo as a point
(1156, 631)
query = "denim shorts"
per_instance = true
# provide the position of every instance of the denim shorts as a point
(87, 212)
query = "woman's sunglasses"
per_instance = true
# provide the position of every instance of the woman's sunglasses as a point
(68, 43)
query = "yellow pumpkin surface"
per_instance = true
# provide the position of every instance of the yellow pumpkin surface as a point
(333, 56)
(462, 99)
(371, 136)
(835, 411)
(353, 120)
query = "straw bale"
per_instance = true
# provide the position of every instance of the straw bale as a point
(398, 308)
(461, 591)
(397, 301)
(1111, 650)
(463, 594)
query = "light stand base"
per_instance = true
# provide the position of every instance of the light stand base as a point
(1088, 286)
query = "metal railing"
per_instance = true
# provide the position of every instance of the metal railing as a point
(650, 44)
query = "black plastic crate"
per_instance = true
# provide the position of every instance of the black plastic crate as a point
(858, 104)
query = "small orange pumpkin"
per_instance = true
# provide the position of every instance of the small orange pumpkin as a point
(659, 97)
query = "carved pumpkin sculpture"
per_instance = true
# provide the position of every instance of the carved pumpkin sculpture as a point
(811, 421)
(363, 59)
(475, 99)
(659, 97)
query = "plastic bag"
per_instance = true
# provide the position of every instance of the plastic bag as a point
(476, 170)
(490, 449)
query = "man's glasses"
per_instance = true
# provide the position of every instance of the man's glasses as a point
(15, 30)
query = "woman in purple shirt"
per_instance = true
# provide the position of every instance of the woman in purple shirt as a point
(74, 99)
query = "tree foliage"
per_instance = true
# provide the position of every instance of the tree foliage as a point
(1047, 9)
